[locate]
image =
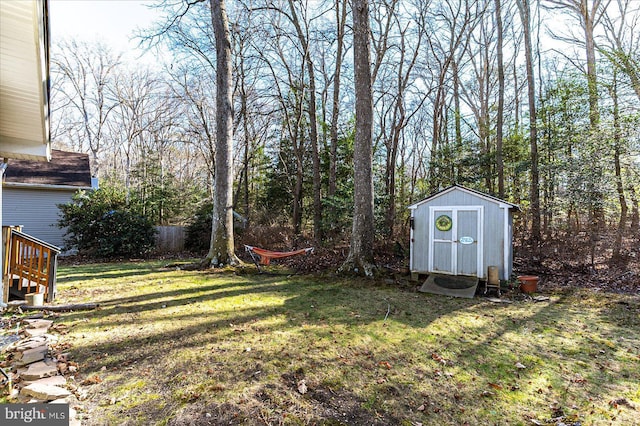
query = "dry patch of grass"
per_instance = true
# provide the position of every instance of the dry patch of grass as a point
(188, 347)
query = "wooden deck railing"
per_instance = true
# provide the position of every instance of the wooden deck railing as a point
(31, 264)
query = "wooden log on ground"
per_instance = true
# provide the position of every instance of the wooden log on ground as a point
(62, 308)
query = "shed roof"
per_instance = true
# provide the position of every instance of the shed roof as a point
(64, 169)
(468, 190)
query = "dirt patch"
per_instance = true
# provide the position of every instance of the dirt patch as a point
(342, 407)
(319, 406)
(200, 414)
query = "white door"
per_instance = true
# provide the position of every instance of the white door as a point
(455, 240)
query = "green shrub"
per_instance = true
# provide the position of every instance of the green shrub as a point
(198, 235)
(99, 224)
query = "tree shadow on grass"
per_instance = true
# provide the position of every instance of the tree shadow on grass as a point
(75, 273)
(305, 303)
(166, 299)
(550, 380)
(312, 312)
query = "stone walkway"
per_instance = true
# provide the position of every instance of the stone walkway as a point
(39, 372)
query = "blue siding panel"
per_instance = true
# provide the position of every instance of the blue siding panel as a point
(36, 210)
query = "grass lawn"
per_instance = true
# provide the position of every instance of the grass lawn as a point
(189, 347)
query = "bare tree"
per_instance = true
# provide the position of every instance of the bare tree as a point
(479, 90)
(132, 92)
(288, 92)
(252, 122)
(360, 259)
(86, 72)
(525, 16)
(198, 111)
(589, 14)
(622, 41)
(408, 51)
(617, 144)
(500, 111)
(621, 48)
(341, 19)
(222, 249)
(456, 21)
(303, 37)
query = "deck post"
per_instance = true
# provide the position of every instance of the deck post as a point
(4, 282)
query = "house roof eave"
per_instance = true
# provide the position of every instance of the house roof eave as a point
(20, 185)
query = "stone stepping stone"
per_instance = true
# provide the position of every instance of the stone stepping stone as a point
(37, 323)
(45, 392)
(39, 370)
(32, 342)
(30, 356)
(50, 381)
(34, 332)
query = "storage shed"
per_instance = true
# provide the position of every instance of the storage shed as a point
(459, 231)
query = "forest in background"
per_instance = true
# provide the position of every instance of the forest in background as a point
(536, 102)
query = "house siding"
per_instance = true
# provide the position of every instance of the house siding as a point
(37, 211)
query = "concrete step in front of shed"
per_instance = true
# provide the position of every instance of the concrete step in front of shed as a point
(450, 285)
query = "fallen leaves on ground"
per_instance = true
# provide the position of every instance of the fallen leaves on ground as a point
(615, 403)
(439, 359)
(385, 364)
(92, 380)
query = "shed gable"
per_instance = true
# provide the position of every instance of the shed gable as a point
(469, 192)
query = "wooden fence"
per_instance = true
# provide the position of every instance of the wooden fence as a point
(170, 239)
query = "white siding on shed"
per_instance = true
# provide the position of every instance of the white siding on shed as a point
(37, 211)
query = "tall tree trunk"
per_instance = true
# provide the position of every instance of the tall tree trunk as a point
(635, 211)
(617, 140)
(341, 18)
(485, 120)
(297, 140)
(313, 127)
(438, 118)
(523, 6)
(455, 165)
(588, 17)
(297, 191)
(500, 112)
(516, 100)
(360, 259)
(221, 249)
(247, 142)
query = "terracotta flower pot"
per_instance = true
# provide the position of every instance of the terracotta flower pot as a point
(528, 283)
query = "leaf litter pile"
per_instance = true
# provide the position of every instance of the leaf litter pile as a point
(177, 347)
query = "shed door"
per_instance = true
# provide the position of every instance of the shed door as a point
(455, 243)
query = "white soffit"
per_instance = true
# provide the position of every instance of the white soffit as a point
(24, 121)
